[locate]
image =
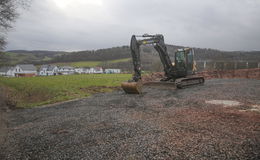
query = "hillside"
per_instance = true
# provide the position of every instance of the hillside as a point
(120, 56)
(21, 56)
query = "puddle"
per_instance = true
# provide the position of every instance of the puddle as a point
(226, 103)
(229, 103)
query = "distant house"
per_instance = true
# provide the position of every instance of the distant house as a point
(7, 71)
(97, 70)
(48, 70)
(25, 70)
(66, 70)
(91, 70)
(79, 70)
(86, 70)
(110, 71)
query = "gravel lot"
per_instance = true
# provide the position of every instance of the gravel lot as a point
(163, 123)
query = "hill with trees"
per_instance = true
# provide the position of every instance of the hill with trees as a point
(149, 57)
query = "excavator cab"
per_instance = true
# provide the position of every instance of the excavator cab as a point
(184, 62)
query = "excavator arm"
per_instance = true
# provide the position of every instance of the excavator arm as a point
(159, 45)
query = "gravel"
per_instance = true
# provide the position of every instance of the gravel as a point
(162, 123)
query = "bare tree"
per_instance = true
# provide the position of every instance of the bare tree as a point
(8, 14)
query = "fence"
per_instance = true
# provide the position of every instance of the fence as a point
(211, 65)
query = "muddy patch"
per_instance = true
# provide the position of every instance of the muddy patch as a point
(240, 73)
(98, 89)
(3, 129)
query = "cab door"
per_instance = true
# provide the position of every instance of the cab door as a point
(190, 61)
(181, 63)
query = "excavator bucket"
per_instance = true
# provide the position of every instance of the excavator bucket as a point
(132, 87)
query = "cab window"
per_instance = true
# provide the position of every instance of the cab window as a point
(180, 57)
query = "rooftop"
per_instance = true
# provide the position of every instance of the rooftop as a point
(27, 67)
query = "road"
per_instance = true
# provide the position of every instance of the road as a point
(162, 123)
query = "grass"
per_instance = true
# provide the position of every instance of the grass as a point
(46, 58)
(120, 60)
(18, 58)
(34, 91)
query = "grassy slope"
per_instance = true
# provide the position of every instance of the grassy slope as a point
(120, 60)
(18, 58)
(34, 91)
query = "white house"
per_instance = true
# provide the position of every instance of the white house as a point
(110, 71)
(48, 70)
(25, 70)
(79, 70)
(86, 70)
(66, 70)
(91, 70)
(7, 71)
(97, 70)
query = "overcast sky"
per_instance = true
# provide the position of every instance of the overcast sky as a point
(93, 24)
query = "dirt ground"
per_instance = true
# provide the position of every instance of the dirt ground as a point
(217, 120)
(240, 73)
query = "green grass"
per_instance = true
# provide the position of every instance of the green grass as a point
(16, 58)
(46, 58)
(119, 60)
(86, 64)
(34, 91)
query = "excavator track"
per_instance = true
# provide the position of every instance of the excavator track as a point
(180, 83)
(188, 81)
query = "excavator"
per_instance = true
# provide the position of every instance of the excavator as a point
(181, 73)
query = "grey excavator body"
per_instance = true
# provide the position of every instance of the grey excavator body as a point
(181, 73)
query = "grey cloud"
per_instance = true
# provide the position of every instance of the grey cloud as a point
(220, 24)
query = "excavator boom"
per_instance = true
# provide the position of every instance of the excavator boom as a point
(159, 45)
